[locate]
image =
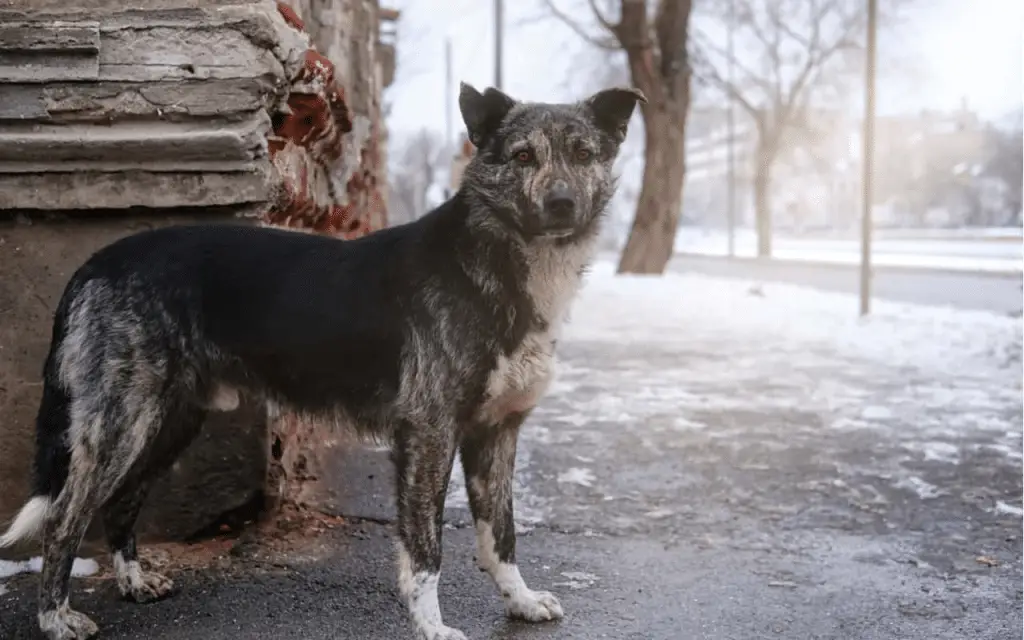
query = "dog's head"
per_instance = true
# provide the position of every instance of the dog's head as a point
(545, 170)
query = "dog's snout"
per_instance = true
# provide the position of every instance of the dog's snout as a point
(560, 201)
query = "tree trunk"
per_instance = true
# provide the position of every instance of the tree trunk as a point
(652, 237)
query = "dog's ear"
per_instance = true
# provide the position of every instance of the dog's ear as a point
(483, 112)
(612, 109)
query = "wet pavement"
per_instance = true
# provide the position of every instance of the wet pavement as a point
(703, 486)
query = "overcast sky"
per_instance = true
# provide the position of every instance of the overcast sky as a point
(953, 48)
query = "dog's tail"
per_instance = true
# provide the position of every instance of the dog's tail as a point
(28, 523)
(53, 457)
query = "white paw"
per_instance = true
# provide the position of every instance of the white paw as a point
(149, 587)
(439, 633)
(66, 624)
(534, 606)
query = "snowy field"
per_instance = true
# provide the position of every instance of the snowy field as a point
(990, 250)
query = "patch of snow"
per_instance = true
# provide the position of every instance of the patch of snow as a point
(8, 568)
(81, 568)
(577, 475)
(924, 490)
(1009, 509)
(876, 413)
(658, 514)
(696, 355)
(577, 580)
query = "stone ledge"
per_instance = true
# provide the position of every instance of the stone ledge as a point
(93, 190)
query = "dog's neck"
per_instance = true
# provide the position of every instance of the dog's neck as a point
(552, 269)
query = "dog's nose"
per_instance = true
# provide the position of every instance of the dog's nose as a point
(559, 202)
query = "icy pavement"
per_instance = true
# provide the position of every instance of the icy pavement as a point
(772, 400)
(715, 461)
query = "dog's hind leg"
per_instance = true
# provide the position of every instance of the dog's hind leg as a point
(423, 457)
(106, 436)
(488, 459)
(63, 531)
(119, 516)
(122, 510)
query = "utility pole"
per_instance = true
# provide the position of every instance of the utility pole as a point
(731, 187)
(499, 35)
(448, 148)
(868, 160)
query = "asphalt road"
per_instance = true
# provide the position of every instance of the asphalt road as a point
(977, 291)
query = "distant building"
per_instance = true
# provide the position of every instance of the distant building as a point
(924, 165)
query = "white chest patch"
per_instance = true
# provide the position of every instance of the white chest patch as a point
(519, 380)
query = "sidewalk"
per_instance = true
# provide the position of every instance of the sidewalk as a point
(974, 255)
(713, 462)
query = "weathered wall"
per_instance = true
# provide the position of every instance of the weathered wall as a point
(269, 134)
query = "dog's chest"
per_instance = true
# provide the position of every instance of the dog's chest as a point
(519, 379)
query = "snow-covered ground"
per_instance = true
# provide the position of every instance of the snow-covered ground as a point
(990, 252)
(681, 363)
(82, 567)
(676, 307)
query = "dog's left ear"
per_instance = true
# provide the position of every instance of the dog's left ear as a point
(483, 112)
(612, 109)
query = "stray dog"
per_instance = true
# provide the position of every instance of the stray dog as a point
(437, 335)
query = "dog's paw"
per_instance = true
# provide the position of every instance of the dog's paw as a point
(534, 606)
(66, 624)
(146, 586)
(439, 633)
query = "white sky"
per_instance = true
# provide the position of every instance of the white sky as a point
(952, 49)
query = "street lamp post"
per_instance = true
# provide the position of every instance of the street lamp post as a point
(867, 160)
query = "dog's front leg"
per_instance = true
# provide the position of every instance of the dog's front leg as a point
(488, 459)
(423, 457)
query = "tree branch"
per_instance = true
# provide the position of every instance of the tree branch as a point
(610, 42)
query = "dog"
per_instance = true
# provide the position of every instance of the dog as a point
(437, 336)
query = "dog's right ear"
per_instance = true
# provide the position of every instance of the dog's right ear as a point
(483, 112)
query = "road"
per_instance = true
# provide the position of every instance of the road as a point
(962, 290)
(713, 483)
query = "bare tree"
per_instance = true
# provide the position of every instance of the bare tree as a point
(653, 35)
(789, 54)
(420, 161)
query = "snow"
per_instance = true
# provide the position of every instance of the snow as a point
(987, 251)
(800, 321)
(82, 567)
(659, 361)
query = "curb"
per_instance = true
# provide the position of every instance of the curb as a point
(789, 262)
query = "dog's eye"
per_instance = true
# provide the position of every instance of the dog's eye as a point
(583, 155)
(524, 157)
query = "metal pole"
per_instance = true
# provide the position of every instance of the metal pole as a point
(868, 161)
(731, 188)
(498, 37)
(447, 92)
(448, 147)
